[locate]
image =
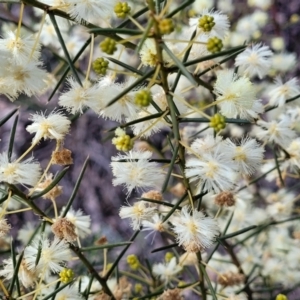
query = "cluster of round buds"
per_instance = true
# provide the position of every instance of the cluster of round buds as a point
(143, 98)
(166, 26)
(108, 46)
(214, 45)
(66, 275)
(133, 261)
(217, 122)
(100, 66)
(122, 9)
(122, 141)
(206, 23)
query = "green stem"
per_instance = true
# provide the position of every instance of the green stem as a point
(236, 262)
(92, 271)
(201, 279)
(164, 75)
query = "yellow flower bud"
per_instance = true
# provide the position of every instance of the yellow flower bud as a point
(122, 141)
(166, 26)
(108, 46)
(100, 66)
(281, 297)
(122, 9)
(133, 262)
(169, 256)
(66, 275)
(143, 98)
(217, 122)
(138, 288)
(206, 23)
(214, 45)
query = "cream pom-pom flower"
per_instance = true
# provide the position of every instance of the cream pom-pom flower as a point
(136, 171)
(27, 172)
(194, 230)
(53, 255)
(54, 126)
(236, 96)
(255, 60)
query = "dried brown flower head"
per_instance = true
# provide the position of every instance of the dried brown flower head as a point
(64, 229)
(155, 195)
(225, 199)
(102, 296)
(192, 247)
(4, 227)
(296, 235)
(101, 241)
(231, 278)
(62, 157)
(188, 259)
(178, 190)
(54, 192)
(171, 295)
(123, 289)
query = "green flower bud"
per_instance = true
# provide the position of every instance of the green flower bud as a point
(100, 66)
(166, 26)
(214, 45)
(122, 9)
(143, 98)
(217, 122)
(108, 46)
(206, 23)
